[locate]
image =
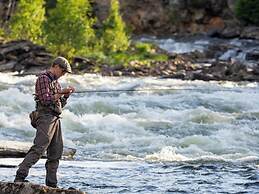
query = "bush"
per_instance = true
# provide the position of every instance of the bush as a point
(248, 11)
(68, 28)
(144, 53)
(113, 35)
(2, 33)
(27, 21)
(143, 47)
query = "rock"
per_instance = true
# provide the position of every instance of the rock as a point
(215, 26)
(168, 16)
(15, 149)
(24, 56)
(80, 63)
(232, 29)
(29, 188)
(9, 66)
(200, 76)
(253, 55)
(231, 5)
(250, 32)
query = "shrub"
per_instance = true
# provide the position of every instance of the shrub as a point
(248, 11)
(144, 53)
(27, 21)
(114, 36)
(69, 29)
(2, 33)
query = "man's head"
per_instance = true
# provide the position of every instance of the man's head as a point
(60, 66)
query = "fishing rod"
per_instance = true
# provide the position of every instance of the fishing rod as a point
(155, 90)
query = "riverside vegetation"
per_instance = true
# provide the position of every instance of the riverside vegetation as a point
(68, 30)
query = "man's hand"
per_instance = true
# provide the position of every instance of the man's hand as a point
(68, 91)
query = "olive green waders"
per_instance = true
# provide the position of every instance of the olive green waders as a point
(48, 137)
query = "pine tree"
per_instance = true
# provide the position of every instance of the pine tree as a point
(247, 11)
(68, 28)
(114, 34)
(27, 21)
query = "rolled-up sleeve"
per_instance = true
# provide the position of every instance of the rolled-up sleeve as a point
(43, 91)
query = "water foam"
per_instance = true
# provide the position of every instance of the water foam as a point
(175, 125)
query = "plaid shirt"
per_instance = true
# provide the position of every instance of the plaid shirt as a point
(46, 86)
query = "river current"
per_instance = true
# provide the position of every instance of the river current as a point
(196, 137)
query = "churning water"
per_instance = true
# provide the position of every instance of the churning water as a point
(201, 137)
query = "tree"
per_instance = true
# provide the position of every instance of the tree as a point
(27, 21)
(248, 11)
(68, 28)
(114, 34)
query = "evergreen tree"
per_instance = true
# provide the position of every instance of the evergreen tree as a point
(248, 11)
(114, 34)
(69, 27)
(27, 21)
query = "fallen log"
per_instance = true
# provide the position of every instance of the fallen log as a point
(29, 188)
(15, 149)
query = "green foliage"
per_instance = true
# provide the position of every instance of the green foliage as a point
(68, 28)
(2, 33)
(113, 36)
(27, 22)
(143, 47)
(144, 53)
(248, 11)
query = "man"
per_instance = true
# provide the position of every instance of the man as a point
(50, 99)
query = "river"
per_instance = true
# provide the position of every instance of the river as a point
(197, 137)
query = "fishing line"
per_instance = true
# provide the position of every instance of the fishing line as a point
(157, 90)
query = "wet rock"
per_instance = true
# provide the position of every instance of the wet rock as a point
(29, 188)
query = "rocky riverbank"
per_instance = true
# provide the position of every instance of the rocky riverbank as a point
(29, 188)
(25, 58)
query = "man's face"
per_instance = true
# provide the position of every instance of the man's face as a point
(60, 71)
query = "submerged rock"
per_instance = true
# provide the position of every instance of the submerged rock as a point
(29, 188)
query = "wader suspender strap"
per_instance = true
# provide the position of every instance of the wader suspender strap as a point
(48, 75)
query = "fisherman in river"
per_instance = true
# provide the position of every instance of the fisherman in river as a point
(50, 99)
